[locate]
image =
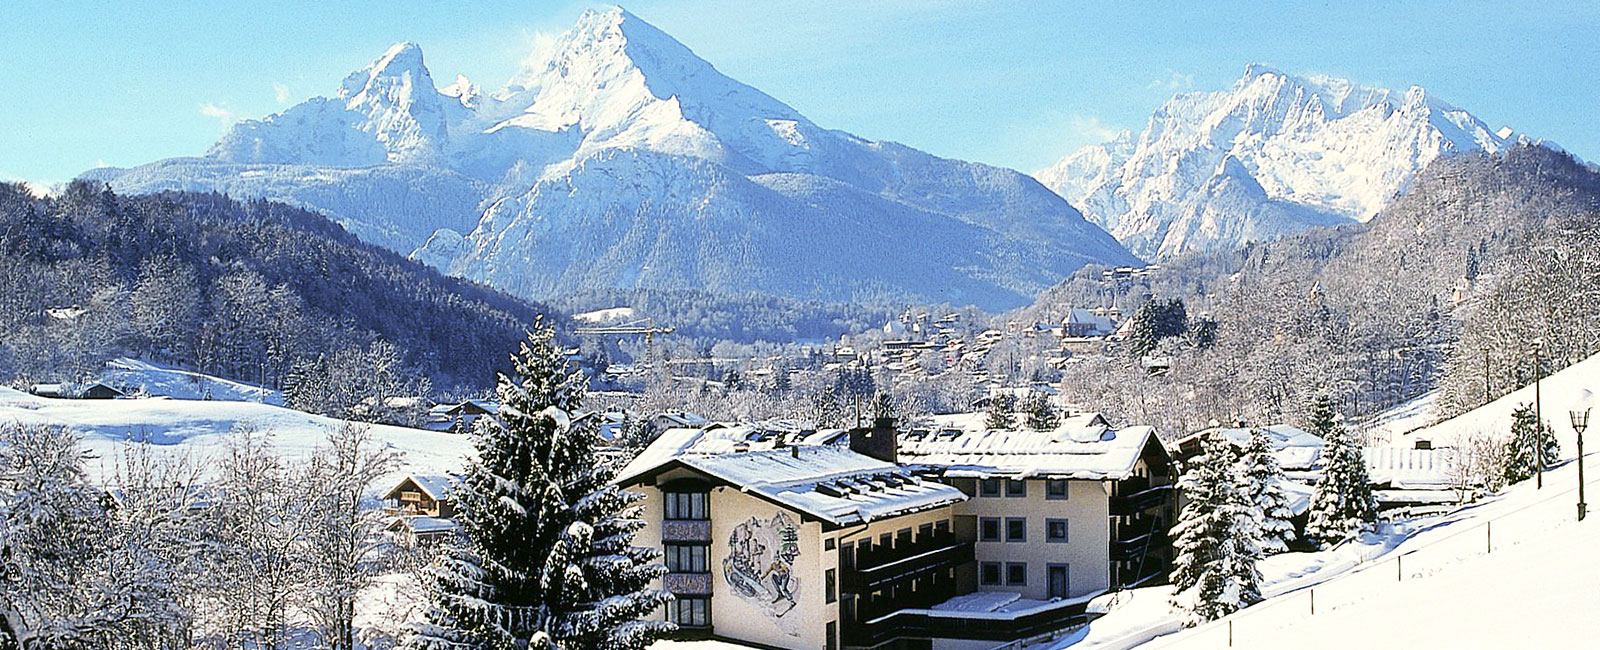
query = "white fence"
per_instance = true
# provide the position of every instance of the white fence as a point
(1527, 522)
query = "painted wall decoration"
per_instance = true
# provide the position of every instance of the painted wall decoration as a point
(760, 567)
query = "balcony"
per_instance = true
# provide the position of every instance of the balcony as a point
(688, 584)
(1133, 547)
(878, 568)
(905, 622)
(686, 530)
(1142, 500)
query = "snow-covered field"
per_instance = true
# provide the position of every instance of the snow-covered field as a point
(155, 379)
(1558, 392)
(200, 428)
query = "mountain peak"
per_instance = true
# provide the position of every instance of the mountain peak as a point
(399, 61)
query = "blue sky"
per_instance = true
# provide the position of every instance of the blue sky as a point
(1017, 84)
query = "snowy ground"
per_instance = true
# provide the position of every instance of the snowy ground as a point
(1414, 583)
(1559, 391)
(157, 379)
(199, 428)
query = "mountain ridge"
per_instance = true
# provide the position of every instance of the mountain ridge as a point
(585, 170)
(1323, 150)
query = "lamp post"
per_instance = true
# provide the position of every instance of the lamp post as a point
(1538, 416)
(1580, 421)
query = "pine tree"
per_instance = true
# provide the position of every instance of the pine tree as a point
(1264, 484)
(1002, 411)
(1527, 436)
(1041, 415)
(1215, 572)
(547, 559)
(1342, 505)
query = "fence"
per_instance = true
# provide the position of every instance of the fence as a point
(1383, 569)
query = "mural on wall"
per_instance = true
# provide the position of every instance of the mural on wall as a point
(760, 567)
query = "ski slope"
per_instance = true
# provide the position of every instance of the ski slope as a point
(200, 429)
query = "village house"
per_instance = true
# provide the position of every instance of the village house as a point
(878, 537)
(424, 508)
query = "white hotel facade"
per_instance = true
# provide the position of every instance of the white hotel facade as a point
(950, 537)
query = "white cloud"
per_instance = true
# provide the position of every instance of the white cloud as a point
(280, 92)
(219, 113)
(1089, 129)
(1174, 81)
(536, 48)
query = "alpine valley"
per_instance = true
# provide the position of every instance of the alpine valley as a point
(624, 161)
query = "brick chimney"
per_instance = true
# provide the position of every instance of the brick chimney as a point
(878, 442)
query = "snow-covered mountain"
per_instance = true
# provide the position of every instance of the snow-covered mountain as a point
(622, 160)
(1272, 155)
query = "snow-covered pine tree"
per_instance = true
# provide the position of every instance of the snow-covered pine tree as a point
(1264, 486)
(1002, 411)
(1342, 505)
(1041, 415)
(547, 557)
(1528, 435)
(1215, 573)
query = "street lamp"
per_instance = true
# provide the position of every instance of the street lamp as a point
(1580, 421)
(1538, 416)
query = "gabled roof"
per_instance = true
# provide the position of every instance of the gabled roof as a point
(826, 482)
(1082, 447)
(438, 488)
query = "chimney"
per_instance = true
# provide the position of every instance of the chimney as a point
(877, 442)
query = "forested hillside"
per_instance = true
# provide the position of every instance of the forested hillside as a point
(1483, 254)
(257, 291)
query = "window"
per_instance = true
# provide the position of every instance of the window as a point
(686, 558)
(902, 539)
(1016, 574)
(1016, 529)
(925, 532)
(827, 544)
(1016, 488)
(847, 556)
(1056, 489)
(989, 487)
(989, 529)
(830, 579)
(691, 612)
(686, 505)
(989, 573)
(831, 640)
(865, 549)
(1055, 530)
(941, 527)
(885, 542)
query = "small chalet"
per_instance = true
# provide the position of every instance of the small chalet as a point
(424, 507)
(69, 391)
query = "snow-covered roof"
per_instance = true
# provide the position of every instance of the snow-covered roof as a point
(1095, 323)
(1296, 448)
(437, 487)
(1082, 447)
(423, 524)
(1408, 469)
(827, 482)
